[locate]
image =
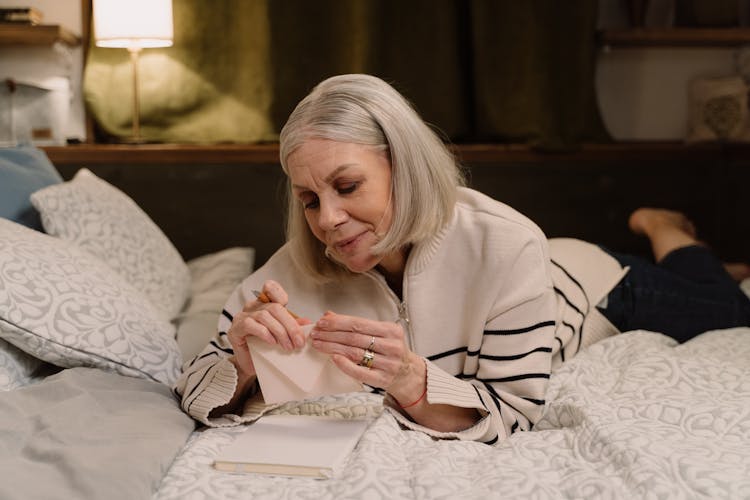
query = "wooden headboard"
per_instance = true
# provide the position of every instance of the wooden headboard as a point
(213, 197)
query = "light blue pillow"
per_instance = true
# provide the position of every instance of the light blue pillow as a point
(23, 170)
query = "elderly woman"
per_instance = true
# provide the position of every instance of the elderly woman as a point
(445, 299)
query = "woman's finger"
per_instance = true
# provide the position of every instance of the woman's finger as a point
(382, 345)
(275, 292)
(370, 376)
(277, 321)
(339, 322)
(381, 362)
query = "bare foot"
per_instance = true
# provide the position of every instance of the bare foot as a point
(646, 221)
(737, 270)
(667, 230)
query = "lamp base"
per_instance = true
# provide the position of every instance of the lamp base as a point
(132, 140)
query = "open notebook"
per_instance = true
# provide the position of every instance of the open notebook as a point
(292, 445)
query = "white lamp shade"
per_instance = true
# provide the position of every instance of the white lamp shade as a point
(133, 24)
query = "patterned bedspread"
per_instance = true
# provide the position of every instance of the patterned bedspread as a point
(633, 416)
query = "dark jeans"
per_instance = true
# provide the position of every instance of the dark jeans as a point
(685, 294)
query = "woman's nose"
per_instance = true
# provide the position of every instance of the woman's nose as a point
(331, 215)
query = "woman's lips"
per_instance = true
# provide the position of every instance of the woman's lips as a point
(348, 244)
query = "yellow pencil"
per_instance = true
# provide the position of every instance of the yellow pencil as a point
(264, 298)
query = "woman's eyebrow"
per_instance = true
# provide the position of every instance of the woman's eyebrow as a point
(328, 178)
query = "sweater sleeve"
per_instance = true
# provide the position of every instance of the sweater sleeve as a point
(209, 380)
(506, 378)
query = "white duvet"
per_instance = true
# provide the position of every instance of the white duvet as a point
(633, 416)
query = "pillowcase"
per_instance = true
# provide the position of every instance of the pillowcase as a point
(107, 223)
(63, 306)
(214, 278)
(16, 367)
(23, 170)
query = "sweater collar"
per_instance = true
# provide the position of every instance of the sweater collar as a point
(422, 253)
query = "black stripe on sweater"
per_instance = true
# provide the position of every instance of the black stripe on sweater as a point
(513, 378)
(445, 354)
(520, 330)
(227, 315)
(571, 278)
(567, 301)
(224, 349)
(492, 441)
(583, 292)
(494, 394)
(538, 402)
(479, 395)
(561, 350)
(515, 356)
(195, 388)
(198, 358)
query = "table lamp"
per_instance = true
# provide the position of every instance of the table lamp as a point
(133, 25)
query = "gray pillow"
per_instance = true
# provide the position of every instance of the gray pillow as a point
(214, 278)
(63, 306)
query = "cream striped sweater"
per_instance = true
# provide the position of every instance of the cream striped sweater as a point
(483, 303)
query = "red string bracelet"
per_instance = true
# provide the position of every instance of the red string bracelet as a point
(420, 398)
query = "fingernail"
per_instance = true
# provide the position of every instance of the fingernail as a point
(322, 323)
(299, 341)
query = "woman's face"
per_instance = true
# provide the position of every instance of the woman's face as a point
(345, 191)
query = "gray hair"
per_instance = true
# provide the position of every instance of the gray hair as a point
(363, 109)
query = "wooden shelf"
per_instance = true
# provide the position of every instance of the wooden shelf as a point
(191, 154)
(42, 34)
(675, 37)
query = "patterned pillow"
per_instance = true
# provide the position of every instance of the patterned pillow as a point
(105, 222)
(16, 367)
(63, 306)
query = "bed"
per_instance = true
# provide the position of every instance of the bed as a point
(98, 311)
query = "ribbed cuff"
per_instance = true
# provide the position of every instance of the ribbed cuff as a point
(218, 389)
(443, 388)
(220, 383)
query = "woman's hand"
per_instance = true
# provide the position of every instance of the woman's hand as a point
(270, 322)
(394, 367)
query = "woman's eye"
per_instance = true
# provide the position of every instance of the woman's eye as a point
(310, 203)
(347, 188)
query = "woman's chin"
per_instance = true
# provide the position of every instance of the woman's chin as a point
(358, 266)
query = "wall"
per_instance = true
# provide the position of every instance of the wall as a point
(643, 92)
(40, 62)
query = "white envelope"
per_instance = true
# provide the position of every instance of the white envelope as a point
(299, 374)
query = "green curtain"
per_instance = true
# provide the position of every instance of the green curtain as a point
(534, 72)
(481, 70)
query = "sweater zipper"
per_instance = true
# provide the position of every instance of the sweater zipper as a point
(401, 306)
(403, 316)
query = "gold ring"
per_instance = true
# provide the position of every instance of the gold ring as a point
(367, 359)
(372, 344)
